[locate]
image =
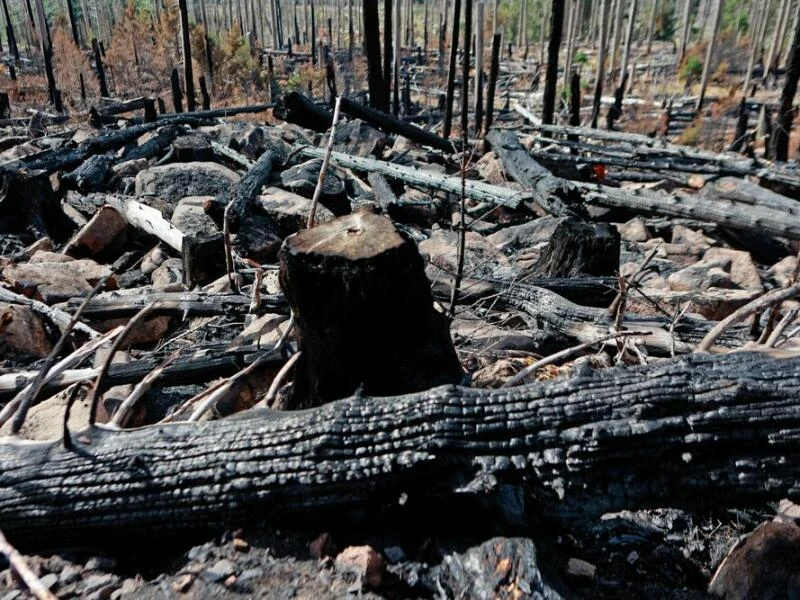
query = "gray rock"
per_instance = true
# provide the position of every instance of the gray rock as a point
(178, 180)
(69, 574)
(221, 569)
(50, 581)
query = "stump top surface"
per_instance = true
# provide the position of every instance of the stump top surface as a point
(355, 236)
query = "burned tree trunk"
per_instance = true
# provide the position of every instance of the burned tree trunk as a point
(187, 56)
(579, 248)
(686, 433)
(376, 329)
(551, 76)
(101, 72)
(451, 73)
(787, 113)
(372, 46)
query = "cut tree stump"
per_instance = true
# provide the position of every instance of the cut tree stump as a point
(578, 248)
(364, 313)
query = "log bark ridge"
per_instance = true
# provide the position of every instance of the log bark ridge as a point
(696, 430)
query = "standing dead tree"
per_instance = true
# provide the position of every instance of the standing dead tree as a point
(551, 76)
(787, 113)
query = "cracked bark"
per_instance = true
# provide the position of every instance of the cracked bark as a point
(695, 431)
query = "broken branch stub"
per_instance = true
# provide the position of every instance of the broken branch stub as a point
(364, 313)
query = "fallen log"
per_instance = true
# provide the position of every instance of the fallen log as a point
(697, 431)
(556, 196)
(301, 110)
(476, 190)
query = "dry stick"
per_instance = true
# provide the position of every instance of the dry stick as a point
(141, 388)
(632, 280)
(29, 578)
(780, 327)
(745, 311)
(94, 395)
(226, 236)
(566, 353)
(279, 377)
(60, 367)
(66, 438)
(325, 161)
(38, 383)
(60, 318)
(218, 391)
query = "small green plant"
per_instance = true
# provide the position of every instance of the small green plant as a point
(580, 58)
(692, 69)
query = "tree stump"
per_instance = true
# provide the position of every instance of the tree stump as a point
(580, 248)
(364, 313)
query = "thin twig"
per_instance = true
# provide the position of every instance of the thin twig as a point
(566, 353)
(779, 329)
(94, 394)
(312, 213)
(123, 410)
(29, 578)
(278, 380)
(745, 311)
(38, 383)
(226, 238)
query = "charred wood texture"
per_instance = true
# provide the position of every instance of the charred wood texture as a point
(553, 48)
(580, 248)
(555, 195)
(695, 431)
(787, 111)
(372, 46)
(364, 313)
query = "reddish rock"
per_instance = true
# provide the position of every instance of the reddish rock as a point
(322, 546)
(364, 562)
(764, 564)
(53, 282)
(21, 332)
(102, 230)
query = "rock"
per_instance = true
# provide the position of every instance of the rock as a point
(154, 259)
(700, 276)
(101, 232)
(634, 230)
(782, 271)
(22, 332)
(147, 332)
(763, 564)
(96, 582)
(363, 562)
(50, 581)
(394, 554)
(57, 282)
(240, 545)
(482, 258)
(182, 584)
(46, 256)
(170, 272)
(302, 179)
(491, 169)
(179, 180)
(69, 574)
(744, 272)
(788, 512)
(690, 237)
(714, 304)
(498, 568)
(526, 235)
(322, 546)
(219, 571)
(289, 210)
(580, 570)
(100, 563)
(130, 168)
(357, 138)
(45, 419)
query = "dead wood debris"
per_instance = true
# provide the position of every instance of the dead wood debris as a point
(201, 287)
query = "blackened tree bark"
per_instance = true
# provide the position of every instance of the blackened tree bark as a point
(188, 76)
(98, 65)
(787, 98)
(601, 62)
(451, 74)
(372, 47)
(551, 76)
(377, 329)
(12, 39)
(465, 65)
(73, 25)
(387, 50)
(47, 53)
